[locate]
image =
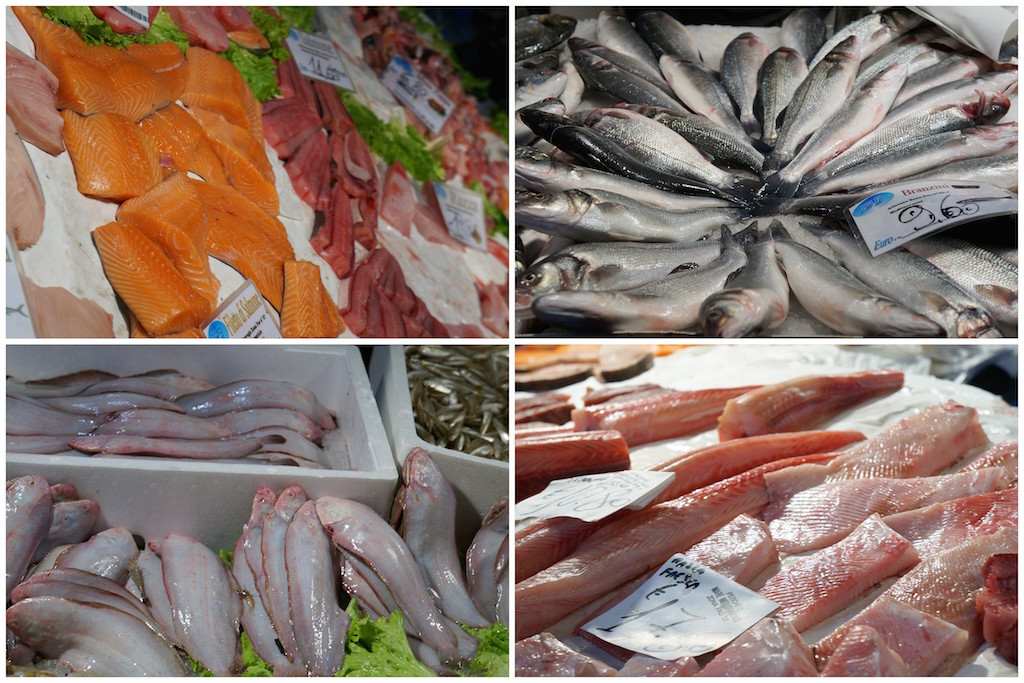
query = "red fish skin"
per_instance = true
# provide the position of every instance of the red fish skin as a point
(121, 23)
(201, 26)
(542, 459)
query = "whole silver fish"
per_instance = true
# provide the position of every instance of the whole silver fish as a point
(701, 91)
(622, 60)
(667, 36)
(537, 33)
(671, 304)
(255, 620)
(952, 68)
(29, 503)
(1000, 171)
(551, 106)
(915, 56)
(804, 32)
(756, 299)
(953, 92)
(586, 218)
(615, 31)
(196, 449)
(166, 384)
(28, 417)
(148, 581)
(108, 553)
(991, 278)
(926, 153)
(257, 393)
(161, 423)
(613, 266)
(272, 541)
(819, 96)
(540, 86)
(780, 75)
(872, 32)
(102, 404)
(244, 421)
(602, 75)
(836, 298)
(741, 62)
(544, 61)
(539, 172)
(858, 116)
(915, 283)
(487, 559)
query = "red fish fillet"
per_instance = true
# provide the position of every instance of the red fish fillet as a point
(934, 528)
(335, 239)
(770, 648)
(816, 587)
(638, 542)
(863, 652)
(594, 397)
(740, 550)
(113, 158)
(545, 655)
(665, 416)
(32, 102)
(547, 541)
(803, 403)
(822, 515)
(1003, 455)
(201, 26)
(997, 604)
(287, 124)
(398, 204)
(542, 459)
(642, 665)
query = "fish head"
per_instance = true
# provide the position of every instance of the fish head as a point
(900, 20)
(541, 122)
(736, 313)
(558, 22)
(552, 207)
(845, 52)
(549, 276)
(990, 107)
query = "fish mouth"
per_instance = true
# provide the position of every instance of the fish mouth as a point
(973, 324)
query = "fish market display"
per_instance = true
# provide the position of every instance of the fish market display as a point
(853, 532)
(666, 176)
(165, 413)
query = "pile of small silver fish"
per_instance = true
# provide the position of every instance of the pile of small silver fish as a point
(101, 606)
(168, 414)
(460, 397)
(657, 192)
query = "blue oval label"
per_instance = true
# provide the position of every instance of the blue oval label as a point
(218, 330)
(871, 202)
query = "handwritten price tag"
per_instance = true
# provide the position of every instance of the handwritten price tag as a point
(317, 58)
(594, 496)
(429, 104)
(463, 212)
(685, 609)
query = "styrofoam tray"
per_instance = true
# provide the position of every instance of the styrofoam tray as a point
(205, 499)
(478, 482)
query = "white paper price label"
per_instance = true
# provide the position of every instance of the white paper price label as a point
(430, 105)
(593, 497)
(898, 214)
(317, 58)
(463, 212)
(685, 609)
(242, 316)
(140, 15)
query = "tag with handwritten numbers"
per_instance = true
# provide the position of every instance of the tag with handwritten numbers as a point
(593, 497)
(684, 609)
(463, 212)
(317, 58)
(429, 104)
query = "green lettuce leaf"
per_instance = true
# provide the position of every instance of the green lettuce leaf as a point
(274, 30)
(378, 647)
(497, 215)
(299, 17)
(259, 72)
(95, 31)
(492, 653)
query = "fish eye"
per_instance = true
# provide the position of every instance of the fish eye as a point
(528, 278)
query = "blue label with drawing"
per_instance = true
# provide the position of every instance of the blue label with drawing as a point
(880, 199)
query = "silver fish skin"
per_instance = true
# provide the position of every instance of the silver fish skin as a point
(540, 173)
(540, 86)
(667, 36)
(671, 304)
(953, 92)
(991, 278)
(915, 56)
(283, 440)
(166, 384)
(551, 105)
(836, 298)
(952, 68)
(604, 76)
(103, 404)
(535, 64)
(71, 521)
(151, 575)
(858, 116)
(915, 283)
(356, 586)
(780, 75)
(700, 90)
(1000, 171)
(109, 553)
(244, 421)
(872, 32)
(741, 62)
(817, 98)
(574, 87)
(804, 32)
(428, 527)
(585, 218)
(28, 417)
(610, 266)
(161, 423)
(255, 620)
(275, 569)
(487, 558)
(93, 639)
(205, 604)
(622, 60)
(927, 153)
(615, 31)
(361, 532)
(257, 393)
(197, 449)
(538, 33)
(65, 385)
(754, 300)
(29, 504)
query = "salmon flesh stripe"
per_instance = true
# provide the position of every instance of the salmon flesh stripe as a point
(542, 459)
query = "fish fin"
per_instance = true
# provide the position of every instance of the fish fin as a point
(1001, 294)
(605, 272)
(689, 265)
(776, 185)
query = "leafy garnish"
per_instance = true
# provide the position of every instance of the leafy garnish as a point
(259, 72)
(274, 30)
(299, 17)
(492, 653)
(379, 647)
(95, 31)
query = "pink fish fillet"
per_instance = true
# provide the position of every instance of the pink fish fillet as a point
(803, 403)
(636, 543)
(642, 665)
(924, 443)
(816, 587)
(547, 541)
(545, 655)
(1003, 454)
(863, 652)
(32, 102)
(658, 417)
(542, 459)
(824, 514)
(772, 647)
(934, 528)
(997, 604)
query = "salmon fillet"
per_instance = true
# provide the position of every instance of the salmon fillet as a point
(176, 134)
(113, 158)
(308, 310)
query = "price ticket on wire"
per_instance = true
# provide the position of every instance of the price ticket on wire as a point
(891, 217)
(463, 212)
(684, 609)
(429, 104)
(317, 58)
(593, 497)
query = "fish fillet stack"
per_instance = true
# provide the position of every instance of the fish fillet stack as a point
(708, 197)
(920, 508)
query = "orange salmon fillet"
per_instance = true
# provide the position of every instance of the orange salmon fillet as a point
(146, 280)
(243, 158)
(214, 84)
(113, 158)
(308, 310)
(176, 134)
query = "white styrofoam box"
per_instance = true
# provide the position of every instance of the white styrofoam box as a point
(478, 482)
(206, 499)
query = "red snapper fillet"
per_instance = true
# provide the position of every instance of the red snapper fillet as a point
(1003, 454)
(542, 459)
(803, 403)
(934, 528)
(998, 604)
(772, 648)
(863, 652)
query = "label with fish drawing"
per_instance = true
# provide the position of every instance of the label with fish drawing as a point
(429, 104)
(593, 497)
(684, 609)
(317, 58)
(138, 14)
(242, 316)
(898, 214)
(463, 212)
